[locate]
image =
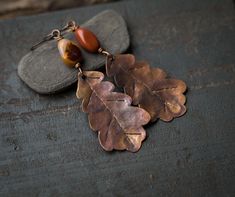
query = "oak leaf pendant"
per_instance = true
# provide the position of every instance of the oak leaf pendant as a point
(119, 124)
(148, 87)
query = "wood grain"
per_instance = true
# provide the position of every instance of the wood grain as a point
(13, 8)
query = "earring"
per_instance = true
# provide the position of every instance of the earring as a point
(150, 88)
(86, 39)
(119, 125)
(69, 51)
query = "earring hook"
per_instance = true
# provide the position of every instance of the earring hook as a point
(55, 34)
(71, 25)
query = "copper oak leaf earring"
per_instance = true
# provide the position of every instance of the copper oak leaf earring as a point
(149, 87)
(119, 125)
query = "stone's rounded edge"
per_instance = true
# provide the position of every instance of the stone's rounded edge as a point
(38, 87)
(108, 14)
(26, 63)
(126, 43)
(70, 77)
(124, 37)
(22, 73)
(44, 90)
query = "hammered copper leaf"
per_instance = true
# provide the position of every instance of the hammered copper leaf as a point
(149, 88)
(85, 82)
(119, 125)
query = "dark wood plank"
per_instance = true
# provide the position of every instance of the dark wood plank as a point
(47, 148)
(13, 8)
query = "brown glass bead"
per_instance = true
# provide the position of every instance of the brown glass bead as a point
(70, 52)
(87, 40)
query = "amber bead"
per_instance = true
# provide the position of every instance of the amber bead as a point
(87, 40)
(70, 52)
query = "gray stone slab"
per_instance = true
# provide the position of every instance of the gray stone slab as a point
(48, 149)
(43, 70)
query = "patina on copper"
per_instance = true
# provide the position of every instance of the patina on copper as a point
(119, 125)
(149, 87)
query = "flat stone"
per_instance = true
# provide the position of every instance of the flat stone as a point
(44, 71)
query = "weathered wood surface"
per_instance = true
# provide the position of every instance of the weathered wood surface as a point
(47, 148)
(13, 8)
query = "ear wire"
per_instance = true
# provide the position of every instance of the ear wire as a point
(55, 34)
